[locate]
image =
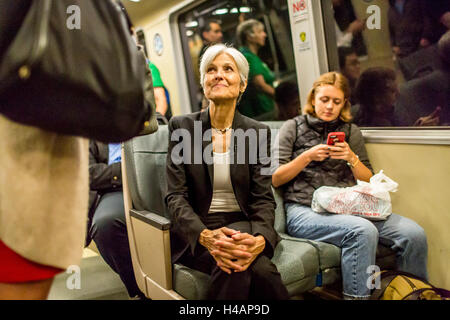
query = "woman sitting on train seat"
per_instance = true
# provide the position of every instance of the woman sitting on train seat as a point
(306, 162)
(221, 202)
(258, 100)
(376, 93)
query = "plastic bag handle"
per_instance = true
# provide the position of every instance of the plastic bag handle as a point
(388, 183)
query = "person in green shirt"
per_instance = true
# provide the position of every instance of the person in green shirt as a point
(258, 100)
(159, 90)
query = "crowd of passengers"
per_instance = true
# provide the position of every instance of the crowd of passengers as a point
(376, 98)
(223, 213)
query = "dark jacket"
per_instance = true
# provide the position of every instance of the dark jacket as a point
(102, 177)
(190, 186)
(105, 178)
(408, 28)
(304, 132)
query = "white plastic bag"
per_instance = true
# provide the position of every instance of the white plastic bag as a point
(367, 200)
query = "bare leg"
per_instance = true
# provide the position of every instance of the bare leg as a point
(35, 290)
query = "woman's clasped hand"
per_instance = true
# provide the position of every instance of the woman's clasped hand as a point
(233, 251)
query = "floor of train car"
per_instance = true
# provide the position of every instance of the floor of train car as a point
(99, 282)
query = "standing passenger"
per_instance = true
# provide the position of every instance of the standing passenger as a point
(350, 67)
(223, 211)
(258, 100)
(307, 163)
(43, 195)
(161, 94)
(426, 101)
(211, 34)
(409, 26)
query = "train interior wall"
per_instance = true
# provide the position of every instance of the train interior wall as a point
(422, 172)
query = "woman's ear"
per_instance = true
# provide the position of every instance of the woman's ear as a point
(243, 86)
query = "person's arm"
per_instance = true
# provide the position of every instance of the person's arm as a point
(160, 99)
(101, 175)
(343, 39)
(256, 72)
(184, 219)
(289, 171)
(342, 151)
(158, 89)
(261, 84)
(261, 203)
(284, 168)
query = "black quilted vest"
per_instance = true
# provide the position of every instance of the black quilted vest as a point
(312, 131)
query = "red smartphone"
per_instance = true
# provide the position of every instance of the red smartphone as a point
(332, 136)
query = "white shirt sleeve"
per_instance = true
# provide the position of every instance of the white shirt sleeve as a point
(344, 39)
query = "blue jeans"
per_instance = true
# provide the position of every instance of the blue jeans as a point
(358, 239)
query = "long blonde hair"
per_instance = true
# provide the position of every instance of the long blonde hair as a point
(340, 82)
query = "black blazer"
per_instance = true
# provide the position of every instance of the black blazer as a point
(103, 178)
(190, 186)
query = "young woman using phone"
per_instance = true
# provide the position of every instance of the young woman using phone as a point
(305, 162)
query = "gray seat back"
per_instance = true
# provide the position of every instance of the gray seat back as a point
(145, 160)
(280, 216)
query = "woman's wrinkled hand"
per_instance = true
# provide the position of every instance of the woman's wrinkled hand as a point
(242, 249)
(211, 240)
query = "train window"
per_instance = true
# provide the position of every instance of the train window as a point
(218, 21)
(389, 51)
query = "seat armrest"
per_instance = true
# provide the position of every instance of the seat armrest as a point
(151, 218)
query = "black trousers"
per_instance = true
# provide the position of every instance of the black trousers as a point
(109, 232)
(261, 281)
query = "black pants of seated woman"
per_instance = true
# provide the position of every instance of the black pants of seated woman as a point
(109, 232)
(261, 281)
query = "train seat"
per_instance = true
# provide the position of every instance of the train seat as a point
(303, 264)
(148, 225)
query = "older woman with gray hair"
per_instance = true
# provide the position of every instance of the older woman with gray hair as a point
(258, 101)
(223, 209)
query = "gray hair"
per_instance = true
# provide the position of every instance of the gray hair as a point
(213, 51)
(245, 29)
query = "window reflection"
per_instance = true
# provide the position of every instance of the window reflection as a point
(398, 73)
(266, 44)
